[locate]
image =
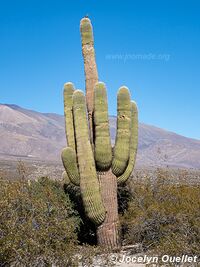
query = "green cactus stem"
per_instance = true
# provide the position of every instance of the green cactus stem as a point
(86, 31)
(133, 145)
(122, 143)
(89, 184)
(103, 149)
(68, 102)
(65, 178)
(69, 161)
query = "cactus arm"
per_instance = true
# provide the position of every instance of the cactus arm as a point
(86, 32)
(68, 102)
(69, 161)
(103, 149)
(65, 178)
(133, 144)
(91, 75)
(122, 141)
(89, 184)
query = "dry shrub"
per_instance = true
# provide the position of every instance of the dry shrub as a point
(22, 169)
(163, 216)
(38, 224)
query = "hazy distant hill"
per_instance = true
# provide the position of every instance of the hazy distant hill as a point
(29, 133)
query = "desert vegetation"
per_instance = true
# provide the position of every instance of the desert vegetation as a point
(42, 224)
(38, 223)
(163, 215)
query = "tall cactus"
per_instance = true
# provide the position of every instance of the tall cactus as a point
(89, 160)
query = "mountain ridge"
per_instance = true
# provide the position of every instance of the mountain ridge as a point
(30, 133)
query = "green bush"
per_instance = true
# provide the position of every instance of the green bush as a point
(163, 216)
(38, 225)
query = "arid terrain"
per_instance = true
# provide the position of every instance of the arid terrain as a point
(28, 134)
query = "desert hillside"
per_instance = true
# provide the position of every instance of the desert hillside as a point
(27, 133)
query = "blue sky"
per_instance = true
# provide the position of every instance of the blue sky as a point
(150, 46)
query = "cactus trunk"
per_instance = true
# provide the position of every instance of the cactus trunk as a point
(108, 233)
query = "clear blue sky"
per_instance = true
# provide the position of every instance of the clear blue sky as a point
(153, 47)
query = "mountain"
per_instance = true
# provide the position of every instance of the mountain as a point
(30, 134)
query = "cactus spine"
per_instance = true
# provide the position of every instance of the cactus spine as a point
(88, 159)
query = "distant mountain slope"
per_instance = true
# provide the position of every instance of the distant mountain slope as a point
(41, 135)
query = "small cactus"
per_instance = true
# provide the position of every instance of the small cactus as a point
(89, 160)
